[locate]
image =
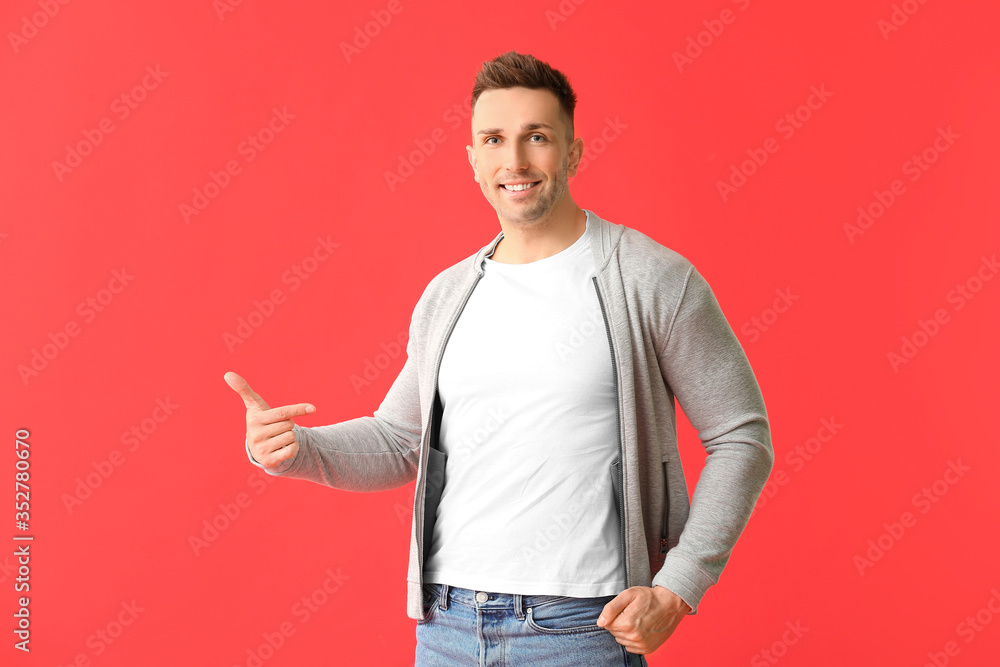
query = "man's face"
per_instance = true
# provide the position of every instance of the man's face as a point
(519, 139)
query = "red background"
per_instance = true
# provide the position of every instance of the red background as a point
(356, 117)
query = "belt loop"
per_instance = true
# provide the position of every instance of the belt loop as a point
(519, 606)
(443, 597)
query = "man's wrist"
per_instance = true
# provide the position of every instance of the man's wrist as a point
(673, 597)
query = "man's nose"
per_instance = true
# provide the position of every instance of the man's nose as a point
(516, 158)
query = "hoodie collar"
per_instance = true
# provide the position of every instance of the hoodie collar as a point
(604, 236)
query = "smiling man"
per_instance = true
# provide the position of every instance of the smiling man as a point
(522, 162)
(536, 411)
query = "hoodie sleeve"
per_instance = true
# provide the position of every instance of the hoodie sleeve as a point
(705, 366)
(369, 453)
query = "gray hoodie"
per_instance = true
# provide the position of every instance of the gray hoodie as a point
(669, 339)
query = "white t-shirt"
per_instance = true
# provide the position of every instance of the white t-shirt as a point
(530, 430)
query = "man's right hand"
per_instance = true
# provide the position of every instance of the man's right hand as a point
(269, 430)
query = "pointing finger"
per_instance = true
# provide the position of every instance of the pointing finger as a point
(251, 399)
(285, 412)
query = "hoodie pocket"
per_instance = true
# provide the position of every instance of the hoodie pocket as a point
(616, 485)
(433, 486)
(665, 523)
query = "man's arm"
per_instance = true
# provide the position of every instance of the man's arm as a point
(370, 453)
(706, 368)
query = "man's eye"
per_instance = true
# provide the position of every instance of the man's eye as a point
(487, 139)
(539, 136)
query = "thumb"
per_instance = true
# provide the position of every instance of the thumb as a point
(613, 608)
(251, 399)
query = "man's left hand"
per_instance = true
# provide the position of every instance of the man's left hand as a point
(641, 618)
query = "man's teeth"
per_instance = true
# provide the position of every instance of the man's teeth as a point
(522, 186)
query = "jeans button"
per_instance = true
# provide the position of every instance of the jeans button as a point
(482, 597)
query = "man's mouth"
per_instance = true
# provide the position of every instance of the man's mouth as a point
(518, 187)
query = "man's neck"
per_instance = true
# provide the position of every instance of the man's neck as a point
(529, 243)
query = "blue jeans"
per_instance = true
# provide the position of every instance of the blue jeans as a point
(487, 629)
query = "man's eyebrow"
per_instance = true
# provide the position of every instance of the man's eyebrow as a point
(527, 127)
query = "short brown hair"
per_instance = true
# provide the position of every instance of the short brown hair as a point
(513, 69)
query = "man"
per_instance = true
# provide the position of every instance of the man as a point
(551, 520)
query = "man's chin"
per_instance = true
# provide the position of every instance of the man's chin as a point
(519, 217)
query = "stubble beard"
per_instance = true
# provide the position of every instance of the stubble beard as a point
(539, 210)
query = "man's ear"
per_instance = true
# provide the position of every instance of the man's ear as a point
(575, 155)
(472, 161)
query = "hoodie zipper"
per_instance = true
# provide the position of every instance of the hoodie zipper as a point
(666, 513)
(621, 453)
(430, 427)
